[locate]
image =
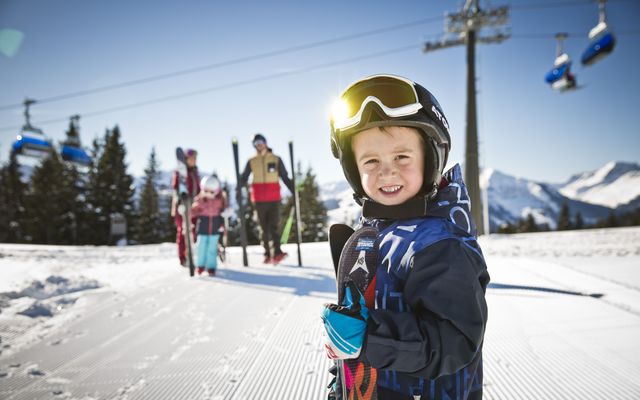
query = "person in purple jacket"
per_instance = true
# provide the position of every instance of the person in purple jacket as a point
(192, 182)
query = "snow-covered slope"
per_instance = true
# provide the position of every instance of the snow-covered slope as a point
(613, 185)
(96, 322)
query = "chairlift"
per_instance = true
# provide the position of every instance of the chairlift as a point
(72, 150)
(601, 40)
(560, 77)
(31, 141)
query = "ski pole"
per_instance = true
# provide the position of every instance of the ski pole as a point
(243, 231)
(296, 203)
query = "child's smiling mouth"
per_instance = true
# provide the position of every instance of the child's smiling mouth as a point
(390, 189)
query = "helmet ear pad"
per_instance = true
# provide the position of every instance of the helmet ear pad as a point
(431, 167)
(344, 153)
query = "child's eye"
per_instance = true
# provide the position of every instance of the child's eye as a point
(371, 161)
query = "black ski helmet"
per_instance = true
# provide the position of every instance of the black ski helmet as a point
(390, 100)
(258, 137)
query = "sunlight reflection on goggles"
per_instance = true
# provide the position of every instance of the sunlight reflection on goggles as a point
(395, 96)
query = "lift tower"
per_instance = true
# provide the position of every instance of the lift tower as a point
(466, 26)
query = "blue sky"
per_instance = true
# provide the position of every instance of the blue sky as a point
(525, 128)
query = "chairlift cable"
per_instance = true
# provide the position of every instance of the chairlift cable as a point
(228, 62)
(557, 4)
(229, 85)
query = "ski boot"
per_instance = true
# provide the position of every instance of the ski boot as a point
(279, 257)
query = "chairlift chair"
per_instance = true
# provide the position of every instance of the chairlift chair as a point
(31, 141)
(72, 150)
(560, 77)
(601, 40)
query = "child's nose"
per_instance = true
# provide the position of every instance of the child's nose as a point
(387, 168)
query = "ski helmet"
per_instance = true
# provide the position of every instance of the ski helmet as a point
(211, 184)
(190, 152)
(389, 100)
(258, 138)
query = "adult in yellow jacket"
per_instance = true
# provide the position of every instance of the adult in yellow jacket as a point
(267, 170)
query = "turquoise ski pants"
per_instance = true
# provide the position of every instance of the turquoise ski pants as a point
(207, 251)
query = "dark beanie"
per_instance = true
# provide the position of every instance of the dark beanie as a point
(259, 136)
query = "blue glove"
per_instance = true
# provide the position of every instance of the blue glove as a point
(345, 324)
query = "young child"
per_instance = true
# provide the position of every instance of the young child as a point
(207, 209)
(422, 328)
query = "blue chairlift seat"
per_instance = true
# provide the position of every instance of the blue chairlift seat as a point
(600, 46)
(560, 77)
(76, 155)
(32, 144)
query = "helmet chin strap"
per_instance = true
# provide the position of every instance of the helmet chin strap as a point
(414, 208)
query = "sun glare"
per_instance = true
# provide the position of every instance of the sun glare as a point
(339, 110)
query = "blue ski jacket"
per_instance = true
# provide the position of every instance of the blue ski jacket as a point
(426, 331)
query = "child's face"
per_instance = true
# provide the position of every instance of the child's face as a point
(390, 163)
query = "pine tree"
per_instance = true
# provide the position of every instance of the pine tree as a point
(612, 221)
(73, 136)
(52, 202)
(313, 213)
(5, 220)
(507, 228)
(564, 221)
(12, 202)
(579, 221)
(111, 188)
(527, 225)
(73, 207)
(90, 227)
(149, 222)
(530, 224)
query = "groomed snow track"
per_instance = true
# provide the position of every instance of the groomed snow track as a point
(563, 324)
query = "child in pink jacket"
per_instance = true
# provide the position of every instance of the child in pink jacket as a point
(206, 210)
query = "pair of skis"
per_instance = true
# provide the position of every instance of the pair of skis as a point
(355, 259)
(185, 200)
(241, 209)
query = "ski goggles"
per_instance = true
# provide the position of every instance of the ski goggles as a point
(395, 96)
(258, 141)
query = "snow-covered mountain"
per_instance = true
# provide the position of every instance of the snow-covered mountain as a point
(615, 184)
(512, 198)
(338, 198)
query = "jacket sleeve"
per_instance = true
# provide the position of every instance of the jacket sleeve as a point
(175, 181)
(196, 208)
(284, 175)
(444, 329)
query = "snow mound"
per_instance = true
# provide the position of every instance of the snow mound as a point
(52, 286)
